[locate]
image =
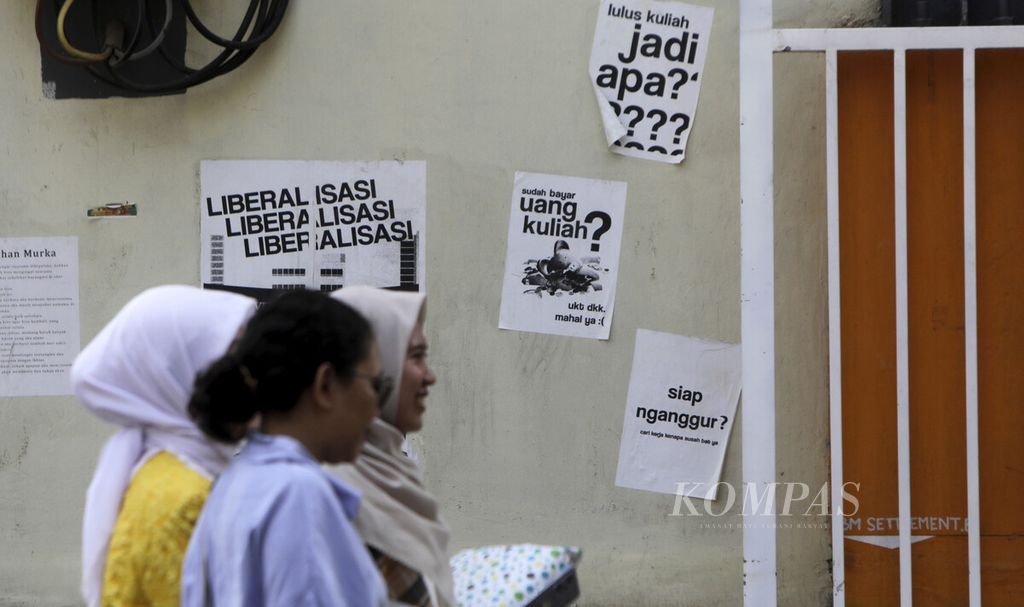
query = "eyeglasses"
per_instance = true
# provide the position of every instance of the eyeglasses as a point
(381, 384)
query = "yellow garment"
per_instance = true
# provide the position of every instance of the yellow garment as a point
(148, 545)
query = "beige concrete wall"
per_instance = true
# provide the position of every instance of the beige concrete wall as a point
(801, 334)
(523, 431)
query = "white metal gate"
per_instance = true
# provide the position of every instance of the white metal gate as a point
(759, 40)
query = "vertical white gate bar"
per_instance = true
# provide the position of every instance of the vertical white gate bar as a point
(971, 335)
(835, 363)
(757, 287)
(902, 340)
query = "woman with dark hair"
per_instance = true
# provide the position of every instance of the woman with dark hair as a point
(276, 528)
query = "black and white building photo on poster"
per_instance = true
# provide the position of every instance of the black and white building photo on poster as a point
(271, 225)
(562, 261)
(646, 66)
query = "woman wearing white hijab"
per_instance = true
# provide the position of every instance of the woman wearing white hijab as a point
(154, 474)
(399, 520)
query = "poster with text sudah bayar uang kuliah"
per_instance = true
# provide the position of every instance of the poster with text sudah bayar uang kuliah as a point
(562, 261)
(272, 225)
(680, 412)
(646, 67)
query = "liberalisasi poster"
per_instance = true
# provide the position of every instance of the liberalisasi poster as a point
(271, 225)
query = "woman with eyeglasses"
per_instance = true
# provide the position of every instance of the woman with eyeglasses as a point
(399, 520)
(276, 529)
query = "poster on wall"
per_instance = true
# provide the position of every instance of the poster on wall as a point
(562, 261)
(271, 225)
(679, 414)
(646, 66)
(39, 326)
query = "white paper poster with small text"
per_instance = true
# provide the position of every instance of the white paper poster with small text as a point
(562, 261)
(271, 225)
(679, 414)
(39, 326)
(646, 67)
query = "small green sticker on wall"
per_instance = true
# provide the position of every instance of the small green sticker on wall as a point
(117, 209)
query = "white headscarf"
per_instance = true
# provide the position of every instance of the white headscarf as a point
(397, 515)
(138, 373)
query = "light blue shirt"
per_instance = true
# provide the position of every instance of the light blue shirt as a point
(276, 530)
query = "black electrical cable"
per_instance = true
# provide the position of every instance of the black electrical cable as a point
(214, 38)
(262, 18)
(229, 59)
(168, 58)
(213, 69)
(74, 50)
(125, 53)
(140, 19)
(158, 40)
(45, 44)
(266, 22)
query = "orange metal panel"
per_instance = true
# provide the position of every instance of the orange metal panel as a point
(935, 280)
(1000, 204)
(936, 317)
(868, 321)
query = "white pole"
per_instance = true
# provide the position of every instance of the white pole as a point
(757, 286)
(835, 361)
(971, 334)
(902, 339)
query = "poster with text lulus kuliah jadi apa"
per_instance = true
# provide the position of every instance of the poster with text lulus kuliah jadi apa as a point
(680, 412)
(562, 261)
(272, 225)
(646, 66)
